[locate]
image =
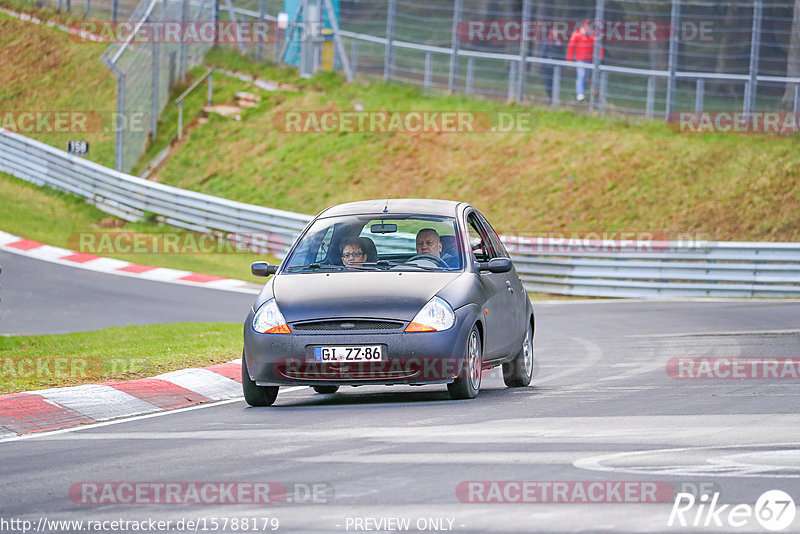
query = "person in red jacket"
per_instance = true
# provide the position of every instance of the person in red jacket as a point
(581, 50)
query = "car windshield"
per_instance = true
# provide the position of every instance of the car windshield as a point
(375, 243)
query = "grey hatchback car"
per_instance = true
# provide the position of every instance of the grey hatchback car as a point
(404, 291)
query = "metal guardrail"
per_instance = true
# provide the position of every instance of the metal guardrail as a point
(664, 269)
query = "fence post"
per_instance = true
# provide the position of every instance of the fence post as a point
(698, 98)
(154, 85)
(603, 89)
(512, 78)
(755, 47)
(354, 55)
(672, 64)
(183, 58)
(427, 80)
(797, 103)
(651, 96)
(599, 14)
(114, 10)
(388, 59)
(470, 74)
(262, 9)
(88, 8)
(451, 81)
(523, 51)
(119, 138)
(554, 99)
(69, 5)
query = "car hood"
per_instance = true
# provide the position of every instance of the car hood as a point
(378, 295)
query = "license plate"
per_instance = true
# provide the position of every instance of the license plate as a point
(356, 353)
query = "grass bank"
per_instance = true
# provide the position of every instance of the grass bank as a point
(127, 353)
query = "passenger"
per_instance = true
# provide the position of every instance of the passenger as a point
(352, 251)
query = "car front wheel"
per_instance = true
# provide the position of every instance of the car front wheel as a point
(254, 394)
(468, 383)
(518, 372)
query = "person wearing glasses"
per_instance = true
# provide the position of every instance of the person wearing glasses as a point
(352, 251)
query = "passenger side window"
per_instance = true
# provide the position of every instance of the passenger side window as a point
(479, 240)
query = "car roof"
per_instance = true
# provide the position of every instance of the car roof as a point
(417, 206)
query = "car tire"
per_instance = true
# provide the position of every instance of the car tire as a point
(518, 372)
(254, 394)
(326, 389)
(468, 383)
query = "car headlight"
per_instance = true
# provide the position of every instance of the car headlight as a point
(434, 316)
(269, 319)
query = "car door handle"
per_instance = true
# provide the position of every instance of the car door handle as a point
(508, 284)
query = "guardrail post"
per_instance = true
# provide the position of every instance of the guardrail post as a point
(755, 48)
(698, 97)
(554, 99)
(426, 83)
(672, 63)
(470, 74)
(599, 14)
(651, 96)
(388, 59)
(451, 80)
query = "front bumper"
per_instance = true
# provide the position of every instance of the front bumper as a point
(409, 358)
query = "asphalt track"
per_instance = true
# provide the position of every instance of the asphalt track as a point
(602, 408)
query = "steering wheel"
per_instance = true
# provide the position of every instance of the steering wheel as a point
(435, 259)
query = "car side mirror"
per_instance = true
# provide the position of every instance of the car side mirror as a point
(496, 265)
(263, 268)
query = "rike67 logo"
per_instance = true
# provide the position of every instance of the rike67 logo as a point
(774, 510)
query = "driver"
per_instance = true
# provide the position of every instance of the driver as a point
(428, 242)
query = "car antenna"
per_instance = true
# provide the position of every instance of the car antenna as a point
(386, 207)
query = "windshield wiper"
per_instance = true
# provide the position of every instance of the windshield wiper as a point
(315, 267)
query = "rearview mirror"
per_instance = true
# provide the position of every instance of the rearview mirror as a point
(383, 228)
(496, 265)
(263, 268)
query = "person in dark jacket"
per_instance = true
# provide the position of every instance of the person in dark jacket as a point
(553, 48)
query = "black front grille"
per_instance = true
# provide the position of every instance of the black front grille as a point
(343, 325)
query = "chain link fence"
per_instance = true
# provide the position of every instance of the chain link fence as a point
(659, 57)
